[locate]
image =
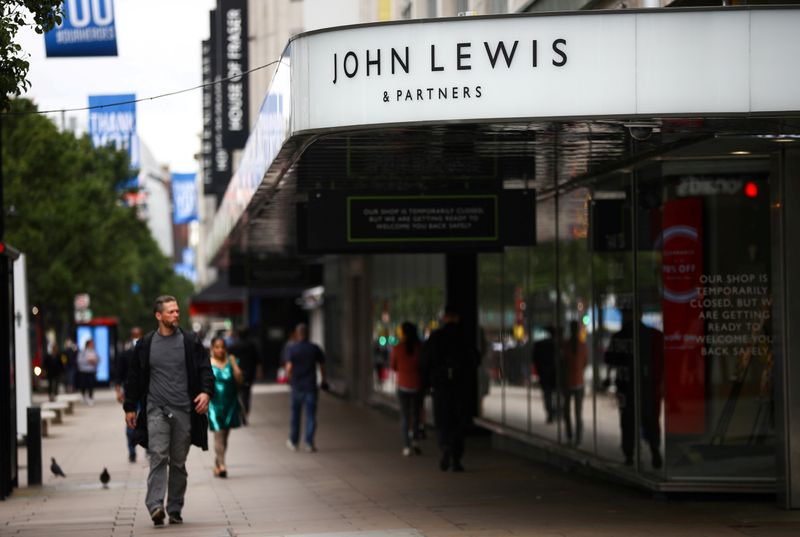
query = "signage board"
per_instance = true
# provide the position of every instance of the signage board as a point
(422, 218)
(336, 221)
(650, 63)
(112, 120)
(103, 337)
(87, 29)
(253, 272)
(231, 48)
(221, 159)
(184, 198)
(681, 276)
(207, 144)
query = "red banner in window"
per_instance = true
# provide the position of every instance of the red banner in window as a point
(682, 266)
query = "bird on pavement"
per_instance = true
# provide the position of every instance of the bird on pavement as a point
(105, 477)
(55, 468)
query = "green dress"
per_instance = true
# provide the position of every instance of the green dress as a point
(223, 412)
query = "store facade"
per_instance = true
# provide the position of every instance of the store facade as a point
(620, 188)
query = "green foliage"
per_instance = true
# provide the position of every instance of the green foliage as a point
(13, 65)
(64, 214)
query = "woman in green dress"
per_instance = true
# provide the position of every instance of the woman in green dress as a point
(223, 412)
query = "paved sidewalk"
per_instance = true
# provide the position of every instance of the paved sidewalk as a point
(357, 485)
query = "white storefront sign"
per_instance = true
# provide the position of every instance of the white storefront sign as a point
(652, 63)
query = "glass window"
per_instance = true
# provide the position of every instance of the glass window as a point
(610, 341)
(404, 288)
(705, 282)
(541, 311)
(492, 330)
(573, 374)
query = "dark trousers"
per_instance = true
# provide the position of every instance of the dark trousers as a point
(574, 396)
(651, 432)
(87, 383)
(449, 413)
(410, 410)
(52, 385)
(131, 435)
(299, 400)
(548, 397)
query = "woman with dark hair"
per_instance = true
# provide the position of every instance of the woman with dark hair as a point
(223, 412)
(404, 362)
(87, 369)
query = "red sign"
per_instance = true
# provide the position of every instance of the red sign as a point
(682, 266)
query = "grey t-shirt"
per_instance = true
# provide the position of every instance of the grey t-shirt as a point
(168, 383)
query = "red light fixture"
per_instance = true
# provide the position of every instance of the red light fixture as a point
(750, 189)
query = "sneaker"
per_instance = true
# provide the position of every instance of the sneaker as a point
(310, 448)
(157, 515)
(406, 452)
(457, 466)
(291, 445)
(132, 457)
(175, 518)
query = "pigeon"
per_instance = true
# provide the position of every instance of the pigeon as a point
(55, 468)
(105, 477)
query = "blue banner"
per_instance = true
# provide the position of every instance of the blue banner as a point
(187, 271)
(111, 123)
(184, 198)
(87, 29)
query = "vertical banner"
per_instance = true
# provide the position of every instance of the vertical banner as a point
(87, 29)
(207, 151)
(232, 46)
(221, 160)
(184, 198)
(186, 267)
(682, 268)
(113, 123)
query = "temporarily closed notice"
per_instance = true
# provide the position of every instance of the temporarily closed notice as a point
(422, 218)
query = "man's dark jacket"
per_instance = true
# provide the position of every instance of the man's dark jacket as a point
(198, 374)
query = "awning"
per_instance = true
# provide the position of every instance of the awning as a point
(219, 298)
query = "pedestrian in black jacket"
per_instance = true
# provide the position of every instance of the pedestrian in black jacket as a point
(167, 392)
(120, 376)
(449, 361)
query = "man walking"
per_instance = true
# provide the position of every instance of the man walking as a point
(302, 360)
(170, 382)
(448, 360)
(121, 375)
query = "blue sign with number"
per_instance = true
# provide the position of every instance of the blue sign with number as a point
(184, 198)
(87, 29)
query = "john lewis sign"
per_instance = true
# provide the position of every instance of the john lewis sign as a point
(649, 63)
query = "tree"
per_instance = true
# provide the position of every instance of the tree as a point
(13, 65)
(64, 213)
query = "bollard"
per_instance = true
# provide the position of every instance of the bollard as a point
(34, 443)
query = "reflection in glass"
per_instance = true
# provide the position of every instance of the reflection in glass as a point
(611, 274)
(620, 357)
(490, 319)
(404, 288)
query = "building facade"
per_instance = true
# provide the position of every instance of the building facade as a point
(607, 195)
